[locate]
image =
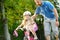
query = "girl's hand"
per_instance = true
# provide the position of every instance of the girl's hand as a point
(57, 23)
(22, 29)
(15, 33)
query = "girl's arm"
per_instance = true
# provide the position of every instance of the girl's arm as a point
(19, 26)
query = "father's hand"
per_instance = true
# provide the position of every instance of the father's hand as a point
(57, 23)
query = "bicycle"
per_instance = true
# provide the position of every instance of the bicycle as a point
(27, 35)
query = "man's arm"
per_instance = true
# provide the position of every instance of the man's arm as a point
(34, 16)
(56, 14)
(52, 8)
(37, 12)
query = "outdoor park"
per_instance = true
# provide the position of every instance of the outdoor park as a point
(11, 15)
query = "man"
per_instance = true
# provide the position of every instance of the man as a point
(49, 12)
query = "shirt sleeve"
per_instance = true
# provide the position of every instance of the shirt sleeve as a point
(37, 11)
(50, 5)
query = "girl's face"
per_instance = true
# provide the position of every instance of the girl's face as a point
(26, 16)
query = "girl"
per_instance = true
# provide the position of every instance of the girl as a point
(29, 24)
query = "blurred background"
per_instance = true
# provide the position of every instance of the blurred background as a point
(11, 12)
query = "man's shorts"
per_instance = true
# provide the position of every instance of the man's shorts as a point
(50, 24)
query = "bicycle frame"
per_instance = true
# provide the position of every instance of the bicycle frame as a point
(27, 35)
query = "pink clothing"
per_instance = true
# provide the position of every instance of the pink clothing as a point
(35, 28)
(31, 38)
(26, 33)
